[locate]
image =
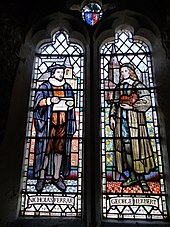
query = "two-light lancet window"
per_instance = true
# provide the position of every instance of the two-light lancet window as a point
(130, 150)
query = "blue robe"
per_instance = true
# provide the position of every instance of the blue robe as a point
(42, 120)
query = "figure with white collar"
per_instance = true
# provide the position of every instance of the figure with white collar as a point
(55, 125)
(128, 120)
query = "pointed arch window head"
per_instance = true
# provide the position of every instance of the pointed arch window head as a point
(92, 13)
(132, 169)
(52, 178)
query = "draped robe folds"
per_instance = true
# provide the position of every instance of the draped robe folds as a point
(141, 149)
(42, 120)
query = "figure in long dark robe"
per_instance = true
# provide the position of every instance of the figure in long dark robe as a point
(128, 120)
(55, 125)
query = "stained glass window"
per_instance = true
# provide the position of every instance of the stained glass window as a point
(132, 169)
(92, 13)
(52, 178)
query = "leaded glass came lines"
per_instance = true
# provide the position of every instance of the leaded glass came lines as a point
(52, 178)
(132, 168)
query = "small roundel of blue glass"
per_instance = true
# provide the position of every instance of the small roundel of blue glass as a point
(92, 13)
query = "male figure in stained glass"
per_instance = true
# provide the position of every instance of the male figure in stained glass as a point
(55, 124)
(128, 120)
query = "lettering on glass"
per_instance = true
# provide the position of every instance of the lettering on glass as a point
(53, 159)
(132, 173)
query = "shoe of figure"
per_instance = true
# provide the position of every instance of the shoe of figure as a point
(129, 182)
(144, 185)
(59, 184)
(40, 185)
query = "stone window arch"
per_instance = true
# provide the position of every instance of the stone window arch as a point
(91, 42)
